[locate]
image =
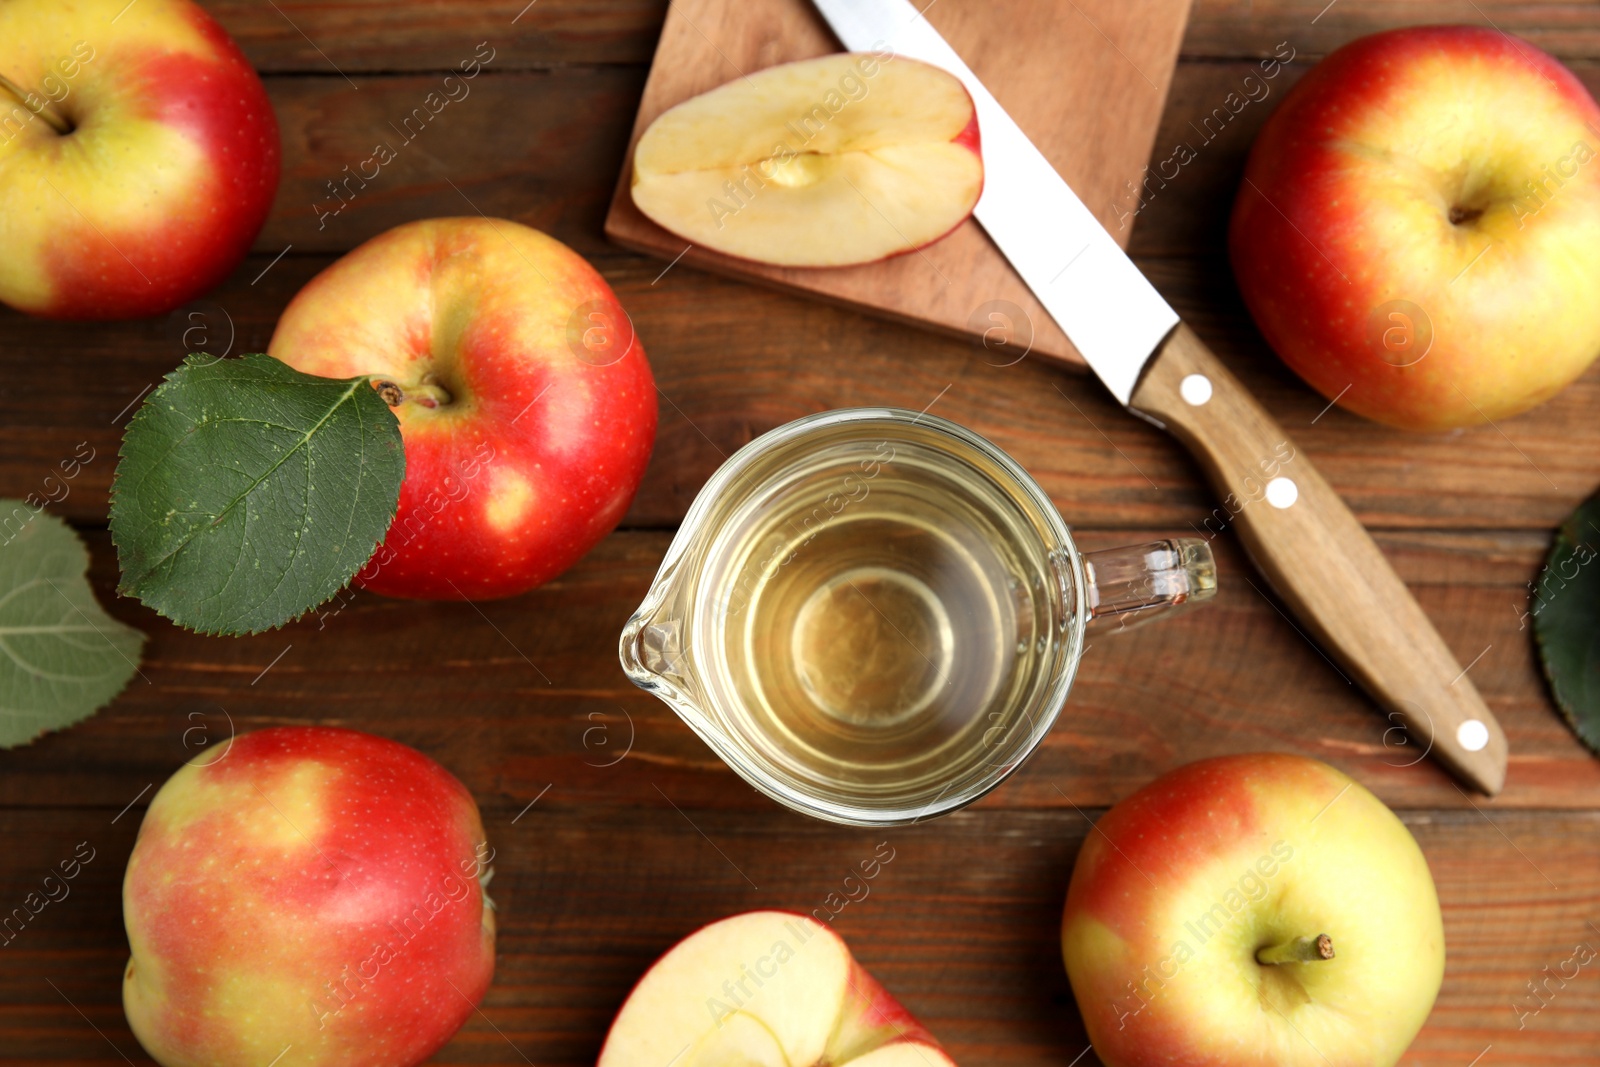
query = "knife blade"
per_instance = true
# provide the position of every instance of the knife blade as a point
(1301, 536)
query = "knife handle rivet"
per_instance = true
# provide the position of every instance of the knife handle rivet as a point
(1282, 492)
(1195, 389)
(1473, 735)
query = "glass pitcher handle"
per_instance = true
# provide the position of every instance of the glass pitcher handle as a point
(1141, 583)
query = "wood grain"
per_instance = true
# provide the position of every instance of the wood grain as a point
(1086, 81)
(601, 875)
(549, 701)
(1228, 28)
(539, 168)
(1195, 168)
(358, 36)
(962, 925)
(518, 145)
(734, 360)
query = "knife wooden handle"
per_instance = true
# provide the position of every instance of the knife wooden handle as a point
(1320, 559)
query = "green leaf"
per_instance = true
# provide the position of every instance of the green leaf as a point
(62, 657)
(248, 493)
(1566, 620)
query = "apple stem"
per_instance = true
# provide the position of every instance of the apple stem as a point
(44, 110)
(426, 393)
(1300, 950)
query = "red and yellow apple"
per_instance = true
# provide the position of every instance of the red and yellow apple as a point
(765, 989)
(138, 156)
(310, 893)
(849, 158)
(525, 400)
(1257, 910)
(1418, 230)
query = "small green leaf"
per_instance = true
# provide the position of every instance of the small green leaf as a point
(248, 493)
(1566, 620)
(62, 657)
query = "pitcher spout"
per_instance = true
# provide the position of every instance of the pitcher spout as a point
(655, 653)
(652, 651)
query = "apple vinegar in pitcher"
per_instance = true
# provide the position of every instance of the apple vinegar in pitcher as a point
(874, 615)
(877, 619)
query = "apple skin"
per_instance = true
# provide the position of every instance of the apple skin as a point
(1345, 207)
(543, 437)
(1328, 857)
(167, 177)
(266, 879)
(673, 1003)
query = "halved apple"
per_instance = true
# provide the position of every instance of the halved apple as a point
(765, 989)
(827, 162)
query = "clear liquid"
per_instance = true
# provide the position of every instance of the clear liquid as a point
(880, 624)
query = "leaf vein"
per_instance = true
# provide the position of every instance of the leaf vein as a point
(223, 513)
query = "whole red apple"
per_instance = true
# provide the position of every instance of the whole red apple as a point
(525, 399)
(138, 156)
(307, 887)
(765, 989)
(1418, 230)
(1260, 910)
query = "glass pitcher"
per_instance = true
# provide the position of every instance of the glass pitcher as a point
(875, 615)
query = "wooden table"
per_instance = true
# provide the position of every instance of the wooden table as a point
(638, 834)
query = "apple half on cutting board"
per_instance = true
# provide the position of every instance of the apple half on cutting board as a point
(850, 158)
(765, 989)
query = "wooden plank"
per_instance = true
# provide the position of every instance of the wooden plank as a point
(65, 385)
(600, 876)
(354, 36)
(1087, 83)
(1232, 28)
(572, 124)
(364, 155)
(550, 705)
(733, 361)
(961, 924)
(1212, 118)
(812, 357)
(1182, 205)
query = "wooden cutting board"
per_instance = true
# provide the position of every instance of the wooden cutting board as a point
(1086, 79)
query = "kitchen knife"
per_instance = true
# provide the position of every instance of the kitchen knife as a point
(1313, 551)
